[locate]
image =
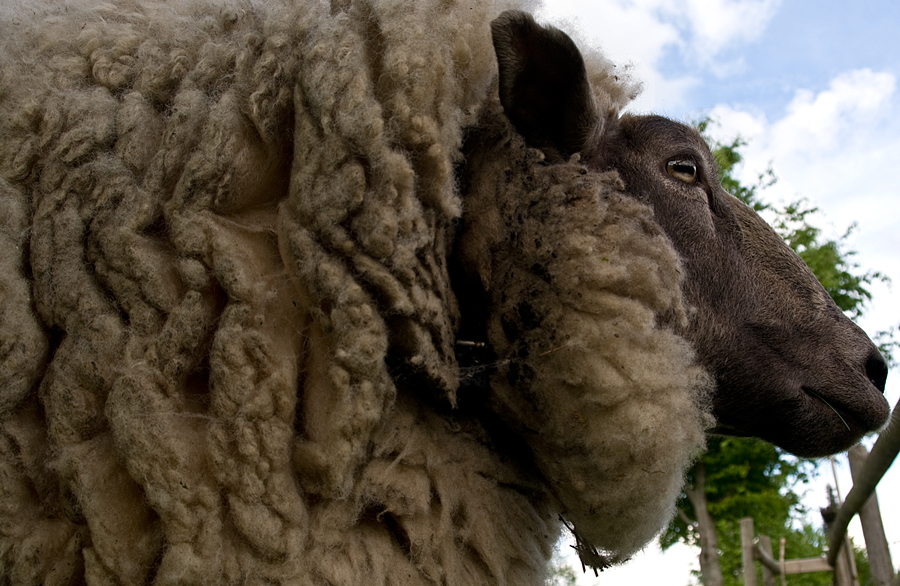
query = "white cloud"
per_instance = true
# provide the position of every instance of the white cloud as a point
(626, 31)
(818, 122)
(660, 94)
(640, 32)
(730, 122)
(642, 29)
(718, 24)
(844, 128)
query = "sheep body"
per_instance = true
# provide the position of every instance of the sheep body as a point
(228, 323)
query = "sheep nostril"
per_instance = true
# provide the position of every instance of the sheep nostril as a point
(876, 370)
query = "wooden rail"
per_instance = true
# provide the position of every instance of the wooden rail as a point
(866, 477)
(753, 550)
(883, 454)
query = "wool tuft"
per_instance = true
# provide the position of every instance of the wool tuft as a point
(227, 322)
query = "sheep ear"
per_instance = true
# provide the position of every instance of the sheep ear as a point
(544, 87)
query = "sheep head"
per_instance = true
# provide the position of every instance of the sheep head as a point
(626, 295)
(789, 367)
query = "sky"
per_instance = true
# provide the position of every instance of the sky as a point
(812, 86)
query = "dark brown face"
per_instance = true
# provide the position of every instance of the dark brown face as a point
(790, 367)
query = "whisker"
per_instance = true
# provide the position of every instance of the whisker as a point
(830, 407)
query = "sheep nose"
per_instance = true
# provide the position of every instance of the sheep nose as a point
(876, 370)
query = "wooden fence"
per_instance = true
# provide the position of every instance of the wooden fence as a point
(867, 470)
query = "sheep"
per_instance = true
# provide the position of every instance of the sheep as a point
(781, 352)
(311, 293)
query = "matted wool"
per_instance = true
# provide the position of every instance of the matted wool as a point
(227, 327)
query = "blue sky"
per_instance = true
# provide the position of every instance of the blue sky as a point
(813, 87)
(804, 45)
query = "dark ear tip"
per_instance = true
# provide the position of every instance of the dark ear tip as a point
(509, 25)
(512, 18)
(543, 84)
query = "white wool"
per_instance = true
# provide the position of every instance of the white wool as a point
(227, 323)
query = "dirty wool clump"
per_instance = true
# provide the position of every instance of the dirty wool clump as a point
(227, 327)
(585, 289)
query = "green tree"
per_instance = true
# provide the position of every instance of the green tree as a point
(562, 574)
(739, 477)
(736, 477)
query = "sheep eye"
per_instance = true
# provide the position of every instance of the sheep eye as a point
(682, 170)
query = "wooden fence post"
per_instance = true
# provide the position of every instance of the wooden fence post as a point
(842, 558)
(781, 548)
(765, 545)
(885, 450)
(870, 517)
(844, 574)
(747, 556)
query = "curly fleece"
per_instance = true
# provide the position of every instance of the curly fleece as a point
(226, 323)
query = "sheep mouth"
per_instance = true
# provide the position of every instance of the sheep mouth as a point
(866, 415)
(850, 421)
(811, 423)
(819, 425)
